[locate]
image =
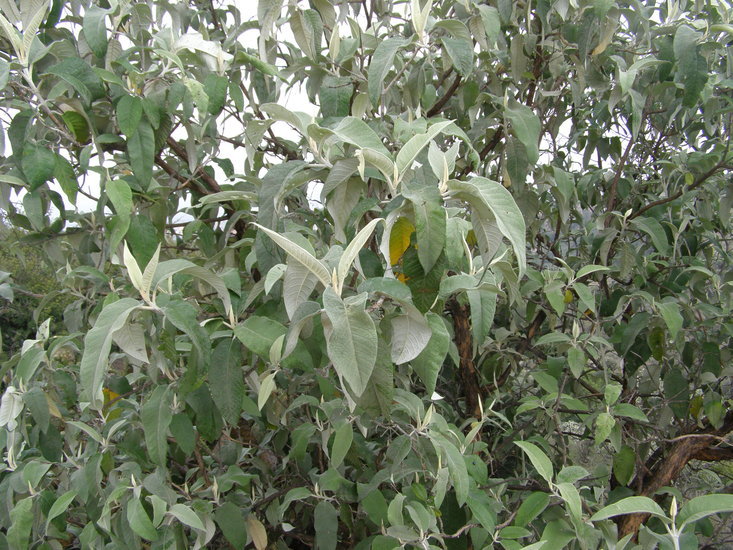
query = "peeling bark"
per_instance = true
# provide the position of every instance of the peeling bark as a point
(466, 369)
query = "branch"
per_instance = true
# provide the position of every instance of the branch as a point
(699, 180)
(435, 109)
(179, 150)
(686, 448)
(466, 369)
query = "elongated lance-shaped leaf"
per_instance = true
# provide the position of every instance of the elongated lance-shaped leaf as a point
(629, 505)
(298, 284)
(352, 342)
(484, 193)
(412, 148)
(97, 344)
(381, 64)
(156, 415)
(703, 506)
(147, 277)
(133, 269)
(352, 251)
(314, 265)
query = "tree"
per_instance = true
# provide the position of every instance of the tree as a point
(481, 296)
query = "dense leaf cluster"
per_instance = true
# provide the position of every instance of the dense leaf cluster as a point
(378, 274)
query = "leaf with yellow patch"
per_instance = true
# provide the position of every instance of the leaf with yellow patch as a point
(399, 239)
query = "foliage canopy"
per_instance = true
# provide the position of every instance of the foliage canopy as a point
(478, 295)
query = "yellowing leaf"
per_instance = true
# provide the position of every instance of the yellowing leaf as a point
(399, 239)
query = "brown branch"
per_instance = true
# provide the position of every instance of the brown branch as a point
(665, 471)
(491, 145)
(435, 109)
(714, 455)
(180, 151)
(466, 368)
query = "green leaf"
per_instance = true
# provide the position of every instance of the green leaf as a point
(97, 344)
(77, 125)
(456, 466)
(460, 52)
(335, 96)
(65, 175)
(156, 415)
(29, 363)
(129, 113)
(357, 132)
(409, 152)
(60, 506)
(430, 222)
(230, 520)
(352, 250)
(186, 515)
(37, 403)
(654, 229)
(427, 365)
(182, 315)
(380, 65)
(39, 165)
(120, 195)
(670, 312)
(604, 424)
(258, 64)
(410, 335)
(538, 458)
(624, 463)
(95, 30)
(576, 361)
(484, 194)
(300, 254)
(259, 333)
(572, 499)
(139, 520)
(226, 379)
(298, 284)
(342, 439)
(21, 524)
(80, 76)
(703, 506)
(483, 308)
(377, 398)
(141, 153)
(4, 74)
(517, 163)
(325, 520)
(630, 411)
(677, 391)
(588, 269)
(352, 342)
(525, 126)
(629, 505)
(692, 66)
(216, 87)
(531, 507)
(182, 431)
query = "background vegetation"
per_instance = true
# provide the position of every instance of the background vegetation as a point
(481, 298)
